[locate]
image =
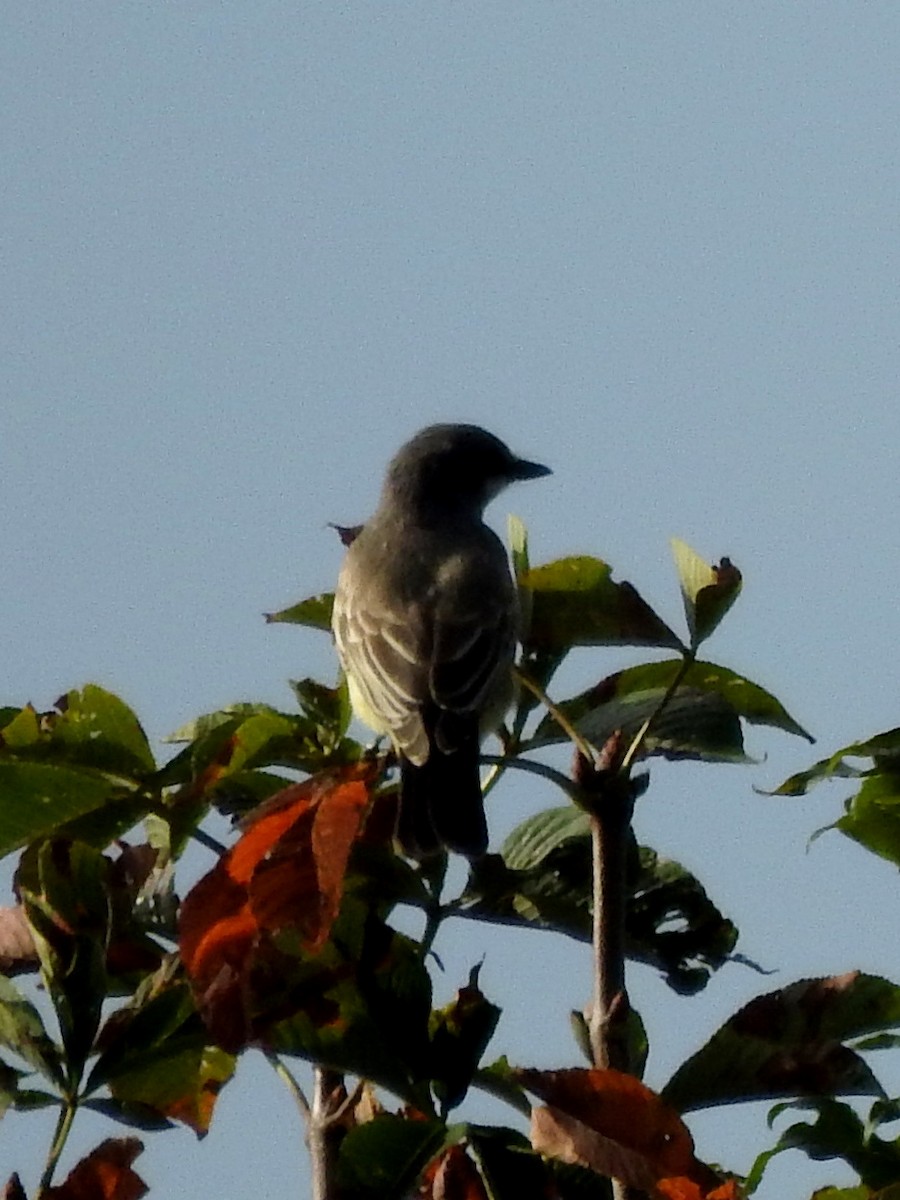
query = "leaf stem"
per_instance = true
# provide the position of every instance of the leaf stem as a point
(558, 716)
(639, 738)
(290, 1082)
(60, 1137)
(571, 789)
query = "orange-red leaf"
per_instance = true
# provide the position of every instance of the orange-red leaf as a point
(687, 1189)
(287, 870)
(105, 1174)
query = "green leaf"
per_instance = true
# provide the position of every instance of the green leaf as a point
(314, 612)
(22, 1031)
(70, 915)
(576, 603)
(382, 1158)
(544, 880)
(38, 799)
(362, 1004)
(102, 731)
(93, 728)
(460, 1033)
(707, 591)
(511, 1170)
(694, 724)
(534, 839)
(837, 1132)
(161, 1015)
(179, 1080)
(9, 1085)
(790, 1043)
(700, 721)
(327, 707)
(873, 816)
(883, 750)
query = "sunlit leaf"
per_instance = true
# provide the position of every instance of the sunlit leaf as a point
(37, 799)
(314, 612)
(575, 602)
(286, 872)
(708, 591)
(91, 728)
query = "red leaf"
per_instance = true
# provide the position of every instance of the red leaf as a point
(14, 1189)
(286, 871)
(105, 1174)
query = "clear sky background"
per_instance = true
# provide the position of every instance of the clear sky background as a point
(247, 250)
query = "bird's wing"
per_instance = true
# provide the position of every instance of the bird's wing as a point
(385, 655)
(472, 658)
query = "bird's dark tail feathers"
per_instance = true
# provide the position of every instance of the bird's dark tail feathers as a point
(441, 804)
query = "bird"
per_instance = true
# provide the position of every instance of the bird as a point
(426, 623)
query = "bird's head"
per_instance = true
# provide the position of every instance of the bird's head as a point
(449, 470)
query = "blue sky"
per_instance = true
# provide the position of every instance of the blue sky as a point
(248, 250)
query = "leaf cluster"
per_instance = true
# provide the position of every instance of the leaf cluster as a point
(290, 944)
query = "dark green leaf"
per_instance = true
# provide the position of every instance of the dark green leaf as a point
(314, 612)
(790, 1043)
(574, 602)
(512, 1170)
(362, 1005)
(382, 1158)
(837, 1132)
(700, 721)
(9, 1084)
(135, 1116)
(32, 1100)
(544, 880)
(70, 912)
(460, 1033)
(532, 840)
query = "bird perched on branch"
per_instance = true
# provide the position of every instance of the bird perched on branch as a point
(426, 625)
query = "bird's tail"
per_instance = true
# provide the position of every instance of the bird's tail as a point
(441, 805)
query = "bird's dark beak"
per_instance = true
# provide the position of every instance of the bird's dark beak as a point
(522, 469)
